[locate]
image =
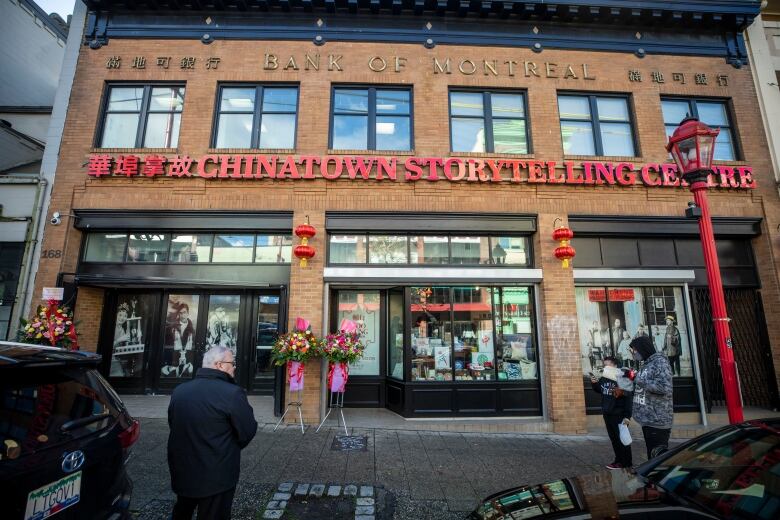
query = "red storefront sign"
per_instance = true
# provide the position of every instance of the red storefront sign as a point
(614, 295)
(411, 169)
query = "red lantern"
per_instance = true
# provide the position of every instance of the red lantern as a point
(304, 252)
(564, 252)
(305, 232)
(692, 145)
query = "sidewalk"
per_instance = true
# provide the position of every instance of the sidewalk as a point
(414, 474)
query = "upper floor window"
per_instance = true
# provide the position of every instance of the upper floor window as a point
(256, 116)
(711, 112)
(493, 122)
(596, 125)
(371, 119)
(142, 116)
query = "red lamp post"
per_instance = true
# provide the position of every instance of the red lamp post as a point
(692, 145)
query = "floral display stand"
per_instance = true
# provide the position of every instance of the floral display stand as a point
(294, 348)
(341, 348)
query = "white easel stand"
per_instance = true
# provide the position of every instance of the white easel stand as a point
(298, 402)
(336, 401)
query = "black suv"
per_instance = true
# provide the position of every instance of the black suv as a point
(65, 436)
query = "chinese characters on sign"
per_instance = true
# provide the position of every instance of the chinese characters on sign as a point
(699, 78)
(453, 169)
(164, 62)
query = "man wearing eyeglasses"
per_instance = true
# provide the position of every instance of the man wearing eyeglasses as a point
(210, 422)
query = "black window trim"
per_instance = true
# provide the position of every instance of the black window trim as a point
(371, 114)
(595, 121)
(254, 142)
(143, 114)
(487, 114)
(693, 106)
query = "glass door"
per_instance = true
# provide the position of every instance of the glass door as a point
(268, 319)
(130, 339)
(180, 337)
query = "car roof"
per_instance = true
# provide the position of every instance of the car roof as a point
(20, 354)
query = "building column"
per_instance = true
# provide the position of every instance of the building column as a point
(560, 347)
(88, 313)
(305, 301)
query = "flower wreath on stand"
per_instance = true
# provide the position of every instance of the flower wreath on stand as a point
(53, 326)
(295, 348)
(344, 347)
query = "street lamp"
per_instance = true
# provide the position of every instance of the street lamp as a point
(692, 145)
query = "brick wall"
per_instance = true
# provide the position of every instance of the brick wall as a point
(88, 311)
(243, 61)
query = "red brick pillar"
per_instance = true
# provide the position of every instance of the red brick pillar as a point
(560, 347)
(305, 301)
(88, 314)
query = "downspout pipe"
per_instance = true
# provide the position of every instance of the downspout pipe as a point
(30, 243)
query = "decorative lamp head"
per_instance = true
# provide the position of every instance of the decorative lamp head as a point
(692, 145)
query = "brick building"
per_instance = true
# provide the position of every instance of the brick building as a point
(435, 146)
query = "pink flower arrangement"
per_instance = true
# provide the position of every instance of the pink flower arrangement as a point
(346, 345)
(298, 345)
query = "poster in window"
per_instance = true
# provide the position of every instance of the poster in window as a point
(362, 307)
(130, 335)
(222, 321)
(180, 322)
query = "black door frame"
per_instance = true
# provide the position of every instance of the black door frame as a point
(151, 382)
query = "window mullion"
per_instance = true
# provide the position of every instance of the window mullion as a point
(487, 113)
(143, 117)
(594, 117)
(371, 119)
(257, 117)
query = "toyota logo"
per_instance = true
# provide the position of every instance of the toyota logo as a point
(72, 461)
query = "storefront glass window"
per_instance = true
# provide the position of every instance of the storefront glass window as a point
(509, 250)
(191, 248)
(148, 248)
(429, 250)
(472, 331)
(431, 334)
(470, 250)
(105, 247)
(395, 335)
(181, 320)
(609, 318)
(233, 248)
(164, 119)
(273, 249)
(515, 345)
(132, 327)
(362, 307)
(347, 249)
(387, 249)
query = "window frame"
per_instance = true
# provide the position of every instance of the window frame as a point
(487, 116)
(143, 113)
(173, 232)
(596, 122)
(409, 235)
(371, 114)
(257, 114)
(694, 111)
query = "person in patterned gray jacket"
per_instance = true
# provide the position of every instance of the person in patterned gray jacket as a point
(652, 407)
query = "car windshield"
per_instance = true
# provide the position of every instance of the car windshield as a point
(734, 473)
(42, 407)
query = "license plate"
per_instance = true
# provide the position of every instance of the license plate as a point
(53, 498)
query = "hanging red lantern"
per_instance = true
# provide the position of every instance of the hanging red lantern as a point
(304, 251)
(564, 251)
